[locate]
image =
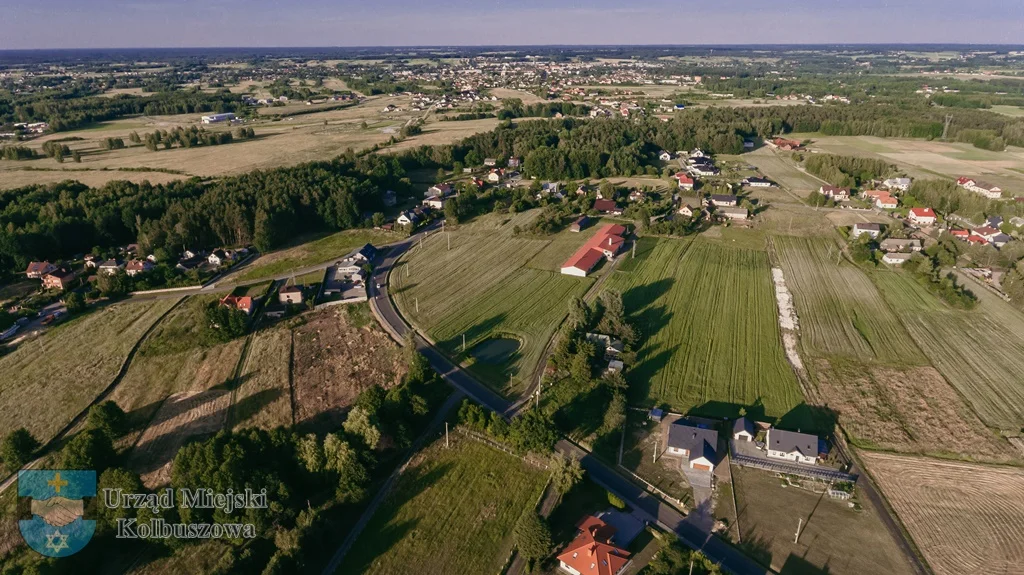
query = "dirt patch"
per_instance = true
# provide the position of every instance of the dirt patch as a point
(335, 360)
(908, 410)
(965, 518)
(182, 417)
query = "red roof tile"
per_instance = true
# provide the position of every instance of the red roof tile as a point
(591, 553)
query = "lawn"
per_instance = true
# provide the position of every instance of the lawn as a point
(980, 352)
(451, 511)
(840, 311)
(711, 339)
(309, 253)
(833, 537)
(48, 381)
(777, 167)
(489, 286)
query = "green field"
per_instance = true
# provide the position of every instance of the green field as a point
(708, 321)
(310, 253)
(840, 311)
(490, 284)
(451, 511)
(980, 352)
(48, 381)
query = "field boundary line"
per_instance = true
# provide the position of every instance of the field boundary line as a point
(78, 419)
(291, 367)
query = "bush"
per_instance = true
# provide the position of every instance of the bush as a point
(17, 448)
(615, 501)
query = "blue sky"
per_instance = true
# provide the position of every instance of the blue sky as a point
(185, 23)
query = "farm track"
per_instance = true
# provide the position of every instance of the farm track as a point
(57, 439)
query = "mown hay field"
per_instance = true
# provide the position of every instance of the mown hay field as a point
(840, 311)
(487, 286)
(980, 352)
(262, 394)
(451, 511)
(48, 381)
(708, 322)
(896, 409)
(964, 518)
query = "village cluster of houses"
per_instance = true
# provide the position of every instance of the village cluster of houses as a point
(26, 129)
(697, 443)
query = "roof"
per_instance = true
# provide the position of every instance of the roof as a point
(922, 212)
(683, 178)
(790, 441)
(291, 289)
(136, 265)
(899, 243)
(39, 267)
(698, 441)
(868, 226)
(61, 274)
(758, 180)
(110, 264)
(626, 526)
(243, 303)
(835, 189)
(986, 231)
(723, 198)
(605, 205)
(743, 424)
(900, 257)
(590, 553)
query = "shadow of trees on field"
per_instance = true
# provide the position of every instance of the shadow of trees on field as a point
(796, 565)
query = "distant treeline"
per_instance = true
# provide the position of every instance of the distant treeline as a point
(64, 112)
(264, 208)
(514, 108)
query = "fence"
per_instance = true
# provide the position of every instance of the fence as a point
(780, 467)
(166, 290)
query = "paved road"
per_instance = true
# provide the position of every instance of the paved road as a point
(644, 503)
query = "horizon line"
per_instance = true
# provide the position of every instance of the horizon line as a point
(508, 46)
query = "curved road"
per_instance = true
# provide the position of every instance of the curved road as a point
(731, 559)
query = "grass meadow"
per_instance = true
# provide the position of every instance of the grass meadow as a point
(491, 284)
(47, 381)
(708, 322)
(980, 352)
(841, 312)
(308, 253)
(451, 511)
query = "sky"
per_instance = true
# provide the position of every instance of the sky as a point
(293, 23)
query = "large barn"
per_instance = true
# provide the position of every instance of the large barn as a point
(607, 242)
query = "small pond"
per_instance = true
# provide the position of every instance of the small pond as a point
(495, 350)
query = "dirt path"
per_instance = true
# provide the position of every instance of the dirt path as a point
(551, 500)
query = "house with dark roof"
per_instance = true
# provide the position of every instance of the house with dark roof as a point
(870, 229)
(697, 445)
(606, 206)
(111, 267)
(723, 200)
(580, 223)
(59, 279)
(743, 430)
(592, 552)
(290, 295)
(834, 192)
(792, 446)
(757, 182)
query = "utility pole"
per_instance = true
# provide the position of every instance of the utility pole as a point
(633, 255)
(449, 236)
(945, 129)
(417, 305)
(446, 435)
(463, 343)
(796, 537)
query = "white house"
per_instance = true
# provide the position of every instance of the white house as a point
(922, 216)
(792, 446)
(872, 230)
(407, 219)
(835, 193)
(664, 156)
(896, 258)
(435, 202)
(697, 444)
(901, 184)
(743, 430)
(756, 182)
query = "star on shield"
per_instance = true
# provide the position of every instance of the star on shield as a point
(56, 541)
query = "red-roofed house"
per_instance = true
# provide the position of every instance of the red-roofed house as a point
(922, 216)
(37, 270)
(58, 279)
(607, 242)
(243, 303)
(607, 207)
(987, 232)
(964, 181)
(882, 199)
(685, 181)
(591, 553)
(960, 234)
(977, 240)
(834, 192)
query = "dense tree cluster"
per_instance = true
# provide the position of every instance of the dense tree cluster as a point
(514, 108)
(847, 171)
(16, 153)
(264, 208)
(188, 138)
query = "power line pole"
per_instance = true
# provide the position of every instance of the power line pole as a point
(446, 435)
(417, 305)
(945, 129)
(449, 236)
(463, 343)
(796, 537)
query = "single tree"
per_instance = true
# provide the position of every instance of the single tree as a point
(17, 448)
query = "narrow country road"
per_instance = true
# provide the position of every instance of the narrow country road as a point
(731, 559)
